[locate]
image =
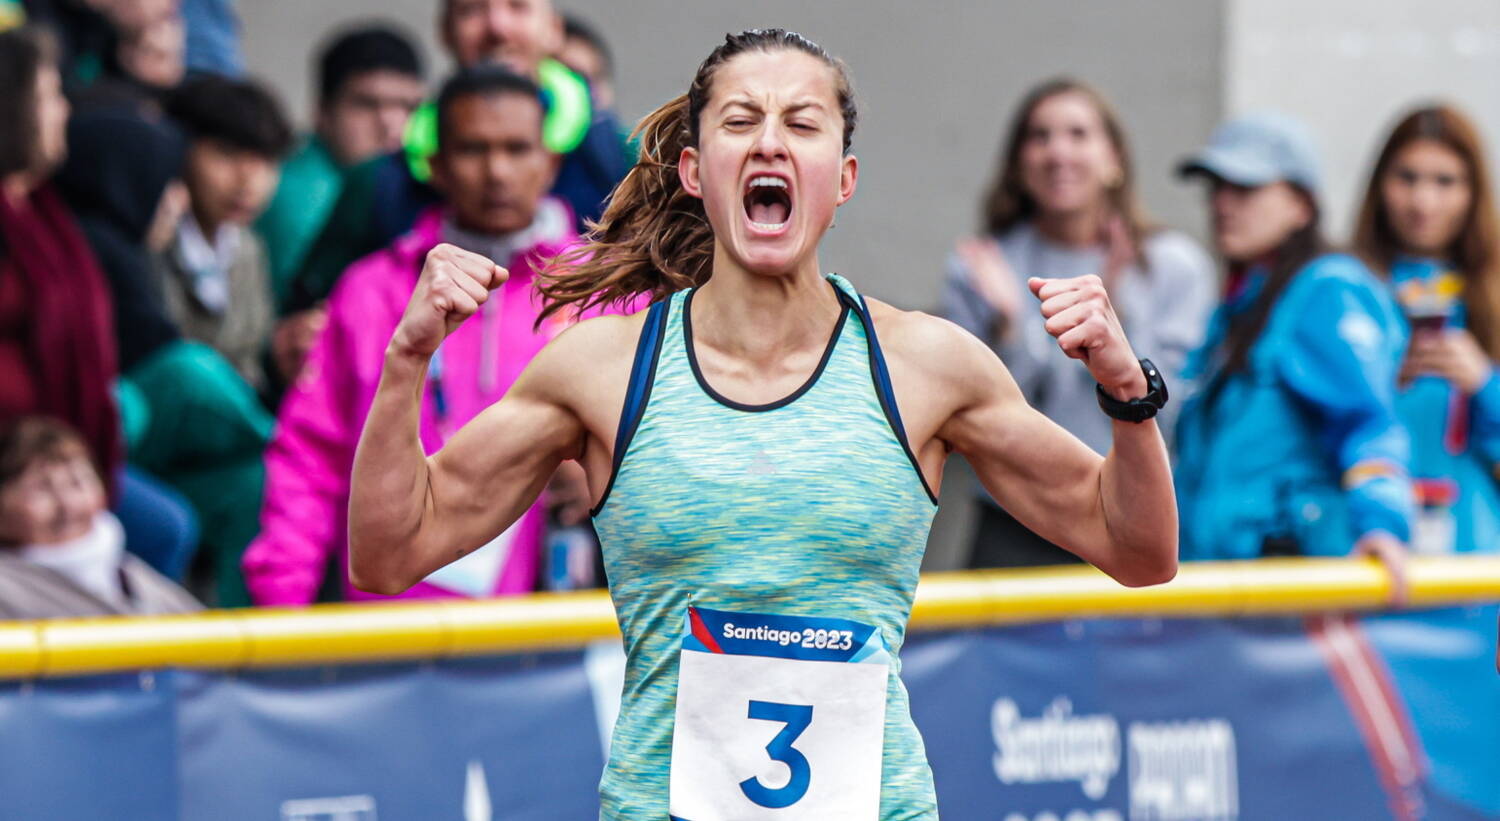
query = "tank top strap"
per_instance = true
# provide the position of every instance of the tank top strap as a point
(642, 375)
(879, 373)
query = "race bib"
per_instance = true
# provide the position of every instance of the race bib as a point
(778, 717)
(477, 574)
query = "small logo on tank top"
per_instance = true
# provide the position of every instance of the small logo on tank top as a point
(761, 464)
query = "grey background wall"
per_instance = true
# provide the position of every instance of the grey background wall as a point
(936, 81)
(1351, 67)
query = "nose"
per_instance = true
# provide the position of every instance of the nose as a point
(497, 168)
(1423, 197)
(498, 22)
(770, 143)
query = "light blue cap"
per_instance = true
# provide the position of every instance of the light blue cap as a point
(1256, 150)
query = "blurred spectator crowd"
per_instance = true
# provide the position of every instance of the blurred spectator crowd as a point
(195, 302)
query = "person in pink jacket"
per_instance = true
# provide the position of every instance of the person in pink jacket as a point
(494, 172)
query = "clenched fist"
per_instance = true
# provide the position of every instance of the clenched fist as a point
(1079, 315)
(453, 284)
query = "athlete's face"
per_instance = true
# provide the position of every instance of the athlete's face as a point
(769, 165)
(1427, 196)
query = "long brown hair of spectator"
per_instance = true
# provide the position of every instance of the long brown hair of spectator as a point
(654, 237)
(23, 53)
(1008, 203)
(1476, 252)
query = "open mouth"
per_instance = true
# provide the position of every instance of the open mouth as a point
(768, 202)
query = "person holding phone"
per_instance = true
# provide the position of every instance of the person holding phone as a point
(1428, 225)
(1063, 204)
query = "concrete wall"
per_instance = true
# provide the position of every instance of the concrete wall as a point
(936, 82)
(1350, 68)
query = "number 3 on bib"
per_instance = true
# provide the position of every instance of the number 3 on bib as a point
(778, 717)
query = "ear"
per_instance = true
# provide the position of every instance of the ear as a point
(687, 172)
(438, 162)
(323, 120)
(554, 164)
(848, 178)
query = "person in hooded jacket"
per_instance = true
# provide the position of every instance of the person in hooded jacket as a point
(197, 423)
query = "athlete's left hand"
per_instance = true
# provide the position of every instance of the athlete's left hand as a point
(1079, 315)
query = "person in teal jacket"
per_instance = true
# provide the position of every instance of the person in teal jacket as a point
(1428, 224)
(1290, 444)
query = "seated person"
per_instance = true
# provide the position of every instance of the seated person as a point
(216, 282)
(494, 170)
(62, 553)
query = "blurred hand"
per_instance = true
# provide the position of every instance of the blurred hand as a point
(1079, 315)
(1451, 353)
(294, 337)
(452, 286)
(1393, 555)
(568, 493)
(992, 277)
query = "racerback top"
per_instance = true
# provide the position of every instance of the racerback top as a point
(812, 505)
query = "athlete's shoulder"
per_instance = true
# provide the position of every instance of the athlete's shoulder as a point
(600, 337)
(920, 335)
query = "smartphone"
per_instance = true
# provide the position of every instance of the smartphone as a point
(1427, 320)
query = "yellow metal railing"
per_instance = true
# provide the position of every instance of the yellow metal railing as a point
(351, 633)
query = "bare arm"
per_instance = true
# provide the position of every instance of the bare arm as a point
(1118, 512)
(410, 514)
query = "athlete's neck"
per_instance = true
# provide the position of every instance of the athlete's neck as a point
(763, 317)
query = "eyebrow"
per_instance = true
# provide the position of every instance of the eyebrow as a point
(746, 102)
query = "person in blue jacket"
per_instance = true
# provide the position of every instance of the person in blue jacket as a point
(1290, 444)
(1428, 224)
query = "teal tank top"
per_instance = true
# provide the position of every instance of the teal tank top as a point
(811, 506)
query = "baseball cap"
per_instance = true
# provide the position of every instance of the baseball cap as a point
(1256, 150)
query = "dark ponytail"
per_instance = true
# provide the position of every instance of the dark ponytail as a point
(654, 237)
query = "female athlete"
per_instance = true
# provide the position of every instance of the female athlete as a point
(763, 446)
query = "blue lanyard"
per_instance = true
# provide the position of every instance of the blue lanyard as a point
(435, 380)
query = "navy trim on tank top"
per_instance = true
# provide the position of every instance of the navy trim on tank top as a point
(692, 357)
(883, 388)
(638, 393)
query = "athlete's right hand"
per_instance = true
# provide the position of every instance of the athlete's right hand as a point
(452, 286)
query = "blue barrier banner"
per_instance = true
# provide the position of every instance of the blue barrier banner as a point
(1325, 717)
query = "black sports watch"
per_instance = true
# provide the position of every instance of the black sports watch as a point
(1141, 408)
